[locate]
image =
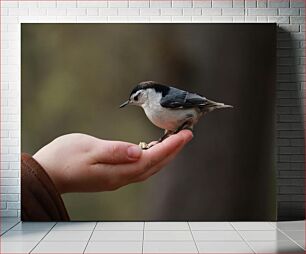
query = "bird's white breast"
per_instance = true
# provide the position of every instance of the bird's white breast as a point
(165, 118)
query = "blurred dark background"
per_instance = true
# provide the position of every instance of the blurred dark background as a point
(74, 76)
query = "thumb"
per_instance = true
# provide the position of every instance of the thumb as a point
(117, 152)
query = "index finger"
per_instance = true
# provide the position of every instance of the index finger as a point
(162, 150)
(155, 154)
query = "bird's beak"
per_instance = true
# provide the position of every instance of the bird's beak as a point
(124, 104)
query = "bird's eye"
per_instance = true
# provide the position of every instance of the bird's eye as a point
(136, 97)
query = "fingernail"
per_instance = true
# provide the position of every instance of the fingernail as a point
(134, 152)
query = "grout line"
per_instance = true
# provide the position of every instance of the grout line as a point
(193, 237)
(243, 238)
(143, 231)
(232, 226)
(42, 238)
(121, 230)
(153, 230)
(90, 237)
(273, 225)
(290, 238)
(138, 241)
(10, 228)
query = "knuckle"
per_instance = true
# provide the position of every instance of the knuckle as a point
(113, 184)
(143, 177)
(115, 187)
(140, 170)
(111, 188)
(114, 149)
(149, 164)
(147, 175)
(154, 172)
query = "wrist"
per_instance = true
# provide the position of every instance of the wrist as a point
(51, 172)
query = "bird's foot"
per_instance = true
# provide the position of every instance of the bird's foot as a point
(185, 126)
(188, 128)
(144, 145)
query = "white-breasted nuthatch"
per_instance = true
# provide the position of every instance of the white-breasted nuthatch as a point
(170, 108)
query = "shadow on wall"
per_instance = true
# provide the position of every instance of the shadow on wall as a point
(290, 129)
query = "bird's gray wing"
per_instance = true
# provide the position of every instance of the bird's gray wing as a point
(177, 98)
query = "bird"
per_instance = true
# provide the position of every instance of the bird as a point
(170, 108)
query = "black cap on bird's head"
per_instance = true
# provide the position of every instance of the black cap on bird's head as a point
(134, 96)
(159, 88)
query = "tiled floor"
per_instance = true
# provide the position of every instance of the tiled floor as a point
(152, 237)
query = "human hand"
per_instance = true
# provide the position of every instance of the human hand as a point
(82, 163)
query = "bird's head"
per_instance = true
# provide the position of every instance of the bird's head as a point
(143, 91)
(137, 97)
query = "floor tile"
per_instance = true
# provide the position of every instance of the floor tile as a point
(291, 225)
(223, 247)
(257, 225)
(63, 226)
(114, 247)
(276, 247)
(296, 235)
(60, 247)
(265, 235)
(116, 236)
(33, 226)
(69, 236)
(301, 243)
(120, 226)
(169, 247)
(3, 230)
(211, 226)
(23, 236)
(216, 236)
(164, 235)
(7, 225)
(167, 225)
(17, 247)
(273, 224)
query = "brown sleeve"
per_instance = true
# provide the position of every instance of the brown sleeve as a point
(40, 200)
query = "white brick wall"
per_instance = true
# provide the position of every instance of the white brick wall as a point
(289, 14)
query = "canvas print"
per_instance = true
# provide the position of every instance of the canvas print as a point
(148, 122)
